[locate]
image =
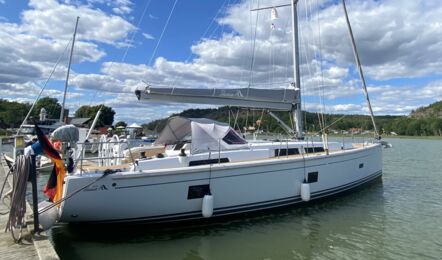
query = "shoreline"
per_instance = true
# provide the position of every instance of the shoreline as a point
(430, 137)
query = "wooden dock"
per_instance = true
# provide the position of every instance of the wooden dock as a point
(32, 246)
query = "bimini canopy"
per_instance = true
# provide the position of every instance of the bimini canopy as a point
(206, 134)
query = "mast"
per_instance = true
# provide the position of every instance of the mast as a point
(296, 109)
(361, 73)
(69, 68)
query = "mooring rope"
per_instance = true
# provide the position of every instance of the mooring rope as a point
(17, 194)
(105, 173)
(17, 210)
(8, 194)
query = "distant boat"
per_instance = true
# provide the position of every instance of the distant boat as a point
(200, 168)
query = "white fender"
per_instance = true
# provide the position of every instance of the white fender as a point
(183, 160)
(207, 209)
(305, 191)
(48, 218)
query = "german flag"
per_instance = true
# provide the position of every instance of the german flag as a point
(54, 187)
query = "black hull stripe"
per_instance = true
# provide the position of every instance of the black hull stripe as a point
(294, 199)
(246, 207)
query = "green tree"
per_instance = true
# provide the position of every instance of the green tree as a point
(121, 123)
(53, 108)
(106, 118)
(12, 113)
(436, 126)
(413, 128)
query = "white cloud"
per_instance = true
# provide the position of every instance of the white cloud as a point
(29, 49)
(432, 90)
(148, 36)
(395, 38)
(120, 7)
(97, 82)
(95, 25)
(393, 42)
(225, 61)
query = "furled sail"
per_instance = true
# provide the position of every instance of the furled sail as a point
(275, 98)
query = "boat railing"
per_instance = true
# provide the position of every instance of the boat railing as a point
(110, 153)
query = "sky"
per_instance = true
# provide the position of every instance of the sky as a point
(122, 45)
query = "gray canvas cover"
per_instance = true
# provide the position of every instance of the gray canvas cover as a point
(66, 133)
(206, 134)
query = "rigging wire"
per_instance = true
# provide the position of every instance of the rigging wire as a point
(176, 77)
(236, 121)
(105, 173)
(162, 33)
(271, 58)
(321, 61)
(43, 87)
(334, 122)
(252, 62)
(307, 55)
(138, 25)
(247, 121)
(361, 73)
(315, 57)
(288, 56)
(212, 35)
(123, 58)
(260, 121)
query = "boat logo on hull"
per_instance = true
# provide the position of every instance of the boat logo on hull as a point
(96, 187)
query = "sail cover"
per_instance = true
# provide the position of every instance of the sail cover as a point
(206, 134)
(275, 98)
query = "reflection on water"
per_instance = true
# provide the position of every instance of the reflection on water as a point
(327, 228)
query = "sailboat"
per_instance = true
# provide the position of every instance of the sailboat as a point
(200, 168)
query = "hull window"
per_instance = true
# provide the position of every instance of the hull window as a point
(312, 177)
(282, 152)
(198, 191)
(314, 149)
(361, 165)
(211, 161)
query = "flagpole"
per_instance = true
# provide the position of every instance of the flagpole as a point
(33, 179)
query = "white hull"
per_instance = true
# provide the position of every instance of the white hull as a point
(162, 195)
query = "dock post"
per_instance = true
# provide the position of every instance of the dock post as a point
(33, 180)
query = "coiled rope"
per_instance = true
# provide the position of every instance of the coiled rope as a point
(17, 210)
(17, 195)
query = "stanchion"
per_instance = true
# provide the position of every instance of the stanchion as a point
(33, 180)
